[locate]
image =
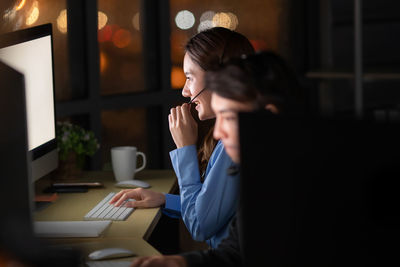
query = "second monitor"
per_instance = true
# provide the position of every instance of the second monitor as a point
(319, 192)
(30, 51)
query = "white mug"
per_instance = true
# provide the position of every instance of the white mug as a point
(123, 160)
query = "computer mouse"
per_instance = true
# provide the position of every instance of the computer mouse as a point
(132, 183)
(110, 253)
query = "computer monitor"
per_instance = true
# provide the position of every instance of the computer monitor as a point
(17, 240)
(30, 52)
(16, 195)
(15, 188)
(319, 192)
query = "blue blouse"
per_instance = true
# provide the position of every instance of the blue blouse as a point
(206, 208)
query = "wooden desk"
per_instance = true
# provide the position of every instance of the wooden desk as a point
(135, 230)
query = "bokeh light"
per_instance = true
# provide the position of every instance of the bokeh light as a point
(222, 19)
(210, 19)
(105, 34)
(21, 5)
(62, 21)
(184, 19)
(204, 25)
(103, 62)
(9, 14)
(33, 14)
(136, 21)
(259, 45)
(234, 21)
(178, 78)
(102, 20)
(206, 21)
(122, 38)
(208, 15)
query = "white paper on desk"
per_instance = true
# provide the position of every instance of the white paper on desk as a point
(70, 228)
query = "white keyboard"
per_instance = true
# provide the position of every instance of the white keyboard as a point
(105, 211)
(50, 229)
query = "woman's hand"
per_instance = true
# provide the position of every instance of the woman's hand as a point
(144, 198)
(182, 126)
(167, 261)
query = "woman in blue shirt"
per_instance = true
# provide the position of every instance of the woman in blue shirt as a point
(208, 194)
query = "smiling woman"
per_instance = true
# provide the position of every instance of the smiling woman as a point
(208, 193)
(194, 88)
(206, 51)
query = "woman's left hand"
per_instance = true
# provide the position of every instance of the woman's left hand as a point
(182, 126)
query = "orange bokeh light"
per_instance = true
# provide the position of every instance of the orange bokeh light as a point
(259, 45)
(178, 78)
(20, 5)
(105, 34)
(122, 38)
(33, 14)
(103, 62)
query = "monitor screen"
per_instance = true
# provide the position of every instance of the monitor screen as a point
(319, 192)
(29, 51)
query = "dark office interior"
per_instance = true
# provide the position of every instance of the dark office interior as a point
(123, 91)
(118, 64)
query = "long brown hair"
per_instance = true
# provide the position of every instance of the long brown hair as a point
(210, 49)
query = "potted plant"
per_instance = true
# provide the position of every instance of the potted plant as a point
(74, 145)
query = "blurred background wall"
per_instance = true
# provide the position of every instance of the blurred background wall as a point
(118, 64)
